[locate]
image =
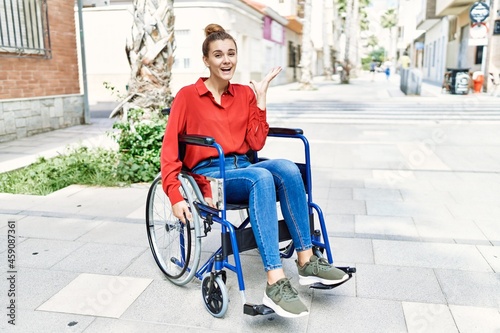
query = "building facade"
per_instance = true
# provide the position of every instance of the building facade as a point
(264, 39)
(447, 37)
(39, 79)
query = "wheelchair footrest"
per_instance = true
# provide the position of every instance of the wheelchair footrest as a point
(256, 309)
(319, 285)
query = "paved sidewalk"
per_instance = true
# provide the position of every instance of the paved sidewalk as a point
(413, 206)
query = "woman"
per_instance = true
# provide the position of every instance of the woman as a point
(235, 115)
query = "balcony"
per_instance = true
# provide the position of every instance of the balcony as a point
(452, 7)
(427, 16)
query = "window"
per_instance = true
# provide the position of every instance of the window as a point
(183, 49)
(291, 54)
(24, 28)
(479, 55)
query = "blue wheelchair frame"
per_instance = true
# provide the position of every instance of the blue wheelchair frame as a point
(238, 239)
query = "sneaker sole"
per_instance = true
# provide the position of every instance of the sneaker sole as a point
(308, 280)
(279, 310)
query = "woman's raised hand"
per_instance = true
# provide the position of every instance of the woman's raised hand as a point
(260, 88)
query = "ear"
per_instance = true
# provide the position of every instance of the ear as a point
(205, 61)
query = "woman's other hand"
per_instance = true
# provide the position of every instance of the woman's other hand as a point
(181, 211)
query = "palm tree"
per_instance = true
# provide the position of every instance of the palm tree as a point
(306, 79)
(355, 20)
(327, 30)
(388, 21)
(150, 52)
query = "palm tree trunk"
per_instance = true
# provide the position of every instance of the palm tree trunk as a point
(327, 34)
(150, 51)
(306, 79)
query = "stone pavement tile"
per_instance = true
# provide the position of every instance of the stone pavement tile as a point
(492, 256)
(418, 157)
(354, 207)
(470, 158)
(335, 193)
(118, 233)
(351, 250)
(96, 295)
(490, 228)
(54, 228)
(394, 227)
(429, 255)
(165, 303)
(339, 225)
(475, 211)
(412, 195)
(44, 253)
(98, 201)
(29, 321)
(471, 319)
(350, 314)
(408, 209)
(146, 267)
(398, 283)
(383, 194)
(100, 258)
(476, 193)
(470, 288)
(428, 317)
(15, 203)
(455, 230)
(35, 286)
(100, 325)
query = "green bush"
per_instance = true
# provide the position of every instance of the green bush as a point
(139, 138)
(82, 165)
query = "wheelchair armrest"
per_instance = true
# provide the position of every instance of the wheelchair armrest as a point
(285, 131)
(196, 139)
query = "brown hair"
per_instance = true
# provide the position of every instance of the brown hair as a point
(214, 32)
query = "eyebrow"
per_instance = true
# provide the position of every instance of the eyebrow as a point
(214, 51)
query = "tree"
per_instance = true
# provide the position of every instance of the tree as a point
(327, 30)
(306, 79)
(354, 20)
(150, 52)
(388, 21)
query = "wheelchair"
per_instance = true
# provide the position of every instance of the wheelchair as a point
(176, 246)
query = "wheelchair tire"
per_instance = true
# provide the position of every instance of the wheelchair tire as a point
(215, 294)
(176, 247)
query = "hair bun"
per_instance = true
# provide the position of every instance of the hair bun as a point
(213, 27)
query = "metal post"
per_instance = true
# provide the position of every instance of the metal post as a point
(86, 111)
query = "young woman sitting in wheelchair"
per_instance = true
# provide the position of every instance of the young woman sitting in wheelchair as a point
(235, 115)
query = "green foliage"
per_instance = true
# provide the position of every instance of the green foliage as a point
(390, 19)
(377, 54)
(80, 165)
(139, 138)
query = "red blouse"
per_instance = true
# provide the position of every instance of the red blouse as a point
(237, 124)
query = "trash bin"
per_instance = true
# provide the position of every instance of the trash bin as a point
(478, 79)
(459, 80)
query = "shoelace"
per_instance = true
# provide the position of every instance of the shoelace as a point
(321, 263)
(286, 290)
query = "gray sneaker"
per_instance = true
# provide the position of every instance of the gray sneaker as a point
(284, 299)
(320, 270)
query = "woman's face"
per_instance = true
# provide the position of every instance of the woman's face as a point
(222, 59)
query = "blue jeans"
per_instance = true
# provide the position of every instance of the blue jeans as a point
(259, 184)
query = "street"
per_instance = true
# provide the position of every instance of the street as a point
(409, 186)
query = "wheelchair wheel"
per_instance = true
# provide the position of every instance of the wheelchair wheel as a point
(176, 246)
(215, 295)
